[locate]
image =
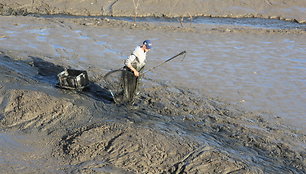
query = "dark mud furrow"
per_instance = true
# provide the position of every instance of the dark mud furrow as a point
(180, 166)
(110, 143)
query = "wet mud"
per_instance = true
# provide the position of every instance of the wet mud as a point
(168, 129)
(273, 9)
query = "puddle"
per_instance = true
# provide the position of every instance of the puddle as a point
(32, 46)
(58, 46)
(41, 38)
(102, 35)
(84, 37)
(39, 31)
(66, 35)
(77, 31)
(101, 43)
(10, 32)
(83, 59)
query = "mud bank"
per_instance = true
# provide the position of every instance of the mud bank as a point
(168, 130)
(174, 25)
(275, 9)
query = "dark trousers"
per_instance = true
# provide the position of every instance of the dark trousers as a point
(130, 84)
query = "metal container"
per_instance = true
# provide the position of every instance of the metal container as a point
(73, 79)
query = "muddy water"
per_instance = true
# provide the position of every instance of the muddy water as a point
(258, 71)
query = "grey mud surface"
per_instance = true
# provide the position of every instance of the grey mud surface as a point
(170, 130)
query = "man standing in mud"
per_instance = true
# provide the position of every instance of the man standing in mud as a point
(133, 66)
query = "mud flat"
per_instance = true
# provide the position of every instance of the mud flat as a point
(169, 130)
(275, 9)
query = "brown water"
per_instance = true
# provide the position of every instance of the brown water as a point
(258, 71)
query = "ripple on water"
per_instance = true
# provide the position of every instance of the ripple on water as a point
(83, 59)
(84, 37)
(101, 43)
(43, 31)
(56, 46)
(32, 45)
(297, 60)
(103, 35)
(10, 32)
(41, 38)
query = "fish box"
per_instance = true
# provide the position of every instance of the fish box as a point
(73, 79)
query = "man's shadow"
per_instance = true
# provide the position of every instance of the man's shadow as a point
(47, 72)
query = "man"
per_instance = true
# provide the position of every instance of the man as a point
(137, 60)
(133, 65)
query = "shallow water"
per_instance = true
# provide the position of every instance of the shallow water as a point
(258, 71)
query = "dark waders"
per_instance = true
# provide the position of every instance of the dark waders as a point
(130, 84)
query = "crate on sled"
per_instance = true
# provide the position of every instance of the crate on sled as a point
(73, 79)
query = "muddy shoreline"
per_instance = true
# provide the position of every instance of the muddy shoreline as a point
(170, 130)
(278, 9)
(185, 26)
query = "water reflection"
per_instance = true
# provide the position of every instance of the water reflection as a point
(42, 38)
(43, 31)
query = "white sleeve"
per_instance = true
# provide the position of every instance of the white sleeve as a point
(129, 60)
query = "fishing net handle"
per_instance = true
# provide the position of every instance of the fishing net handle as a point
(171, 58)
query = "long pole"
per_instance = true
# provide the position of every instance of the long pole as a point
(179, 54)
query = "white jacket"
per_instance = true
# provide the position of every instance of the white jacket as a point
(137, 59)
